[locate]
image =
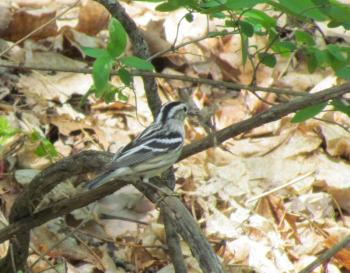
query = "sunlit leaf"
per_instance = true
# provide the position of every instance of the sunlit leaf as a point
(135, 62)
(339, 105)
(117, 38)
(308, 112)
(94, 52)
(100, 73)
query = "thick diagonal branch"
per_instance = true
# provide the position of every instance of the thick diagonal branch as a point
(272, 114)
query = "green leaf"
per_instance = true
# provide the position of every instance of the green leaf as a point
(303, 37)
(212, 4)
(100, 73)
(40, 151)
(109, 94)
(117, 38)
(241, 4)
(45, 147)
(219, 15)
(311, 62)
(35, 136)
(334, 24)
(244, 46)
(283, 47)
(171, 5)
(322, 57)
(336, 52)
(255, 16)
(344, 73)
(94, 52)
(303, 8)
(267, 59)
(122, 97)
(125, 76)
(5, 129)
(246, 28)
(136, 62)
(51, 150)
(308, 112)
(151, 1)
(339, 105)
(337, 12)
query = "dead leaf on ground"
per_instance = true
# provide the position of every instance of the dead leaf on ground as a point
(343, 255)
(25, 21)
(93, 17)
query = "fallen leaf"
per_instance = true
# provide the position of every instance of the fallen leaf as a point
(25, 21)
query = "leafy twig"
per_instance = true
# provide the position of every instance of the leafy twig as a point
(223, 84)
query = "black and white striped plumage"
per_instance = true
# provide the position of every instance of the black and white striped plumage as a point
(152, 152)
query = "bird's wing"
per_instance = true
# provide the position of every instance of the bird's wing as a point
(147, 147)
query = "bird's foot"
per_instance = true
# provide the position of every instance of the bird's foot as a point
(162, 192)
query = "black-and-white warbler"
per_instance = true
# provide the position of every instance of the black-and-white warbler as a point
(152, 152)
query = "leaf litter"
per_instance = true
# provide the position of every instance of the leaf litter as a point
(279, 232)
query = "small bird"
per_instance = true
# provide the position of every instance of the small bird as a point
(152, 152)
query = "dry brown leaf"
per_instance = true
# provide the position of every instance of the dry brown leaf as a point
(154, 37)
(272, 207)
(33, 3)
(93, 17)
(70, 37)
(43, 88)
(343, 255)
(66, 125)
(143, 259)
(337, 140)
(229, 112)
(25, 21)
(47, 236)
(125, 203)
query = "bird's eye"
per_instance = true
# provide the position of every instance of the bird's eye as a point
(185, 109)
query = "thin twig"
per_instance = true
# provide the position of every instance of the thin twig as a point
(224, 84)
(293, 181)
(89, 249)
(173, 48)
(41, 256)
(59, 242)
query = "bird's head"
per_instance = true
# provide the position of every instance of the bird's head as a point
(172, 110)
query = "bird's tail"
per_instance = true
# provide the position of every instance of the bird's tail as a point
(98, 181)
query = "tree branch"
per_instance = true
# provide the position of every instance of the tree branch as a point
(172, 206)
(222, 84)
(272, 114)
